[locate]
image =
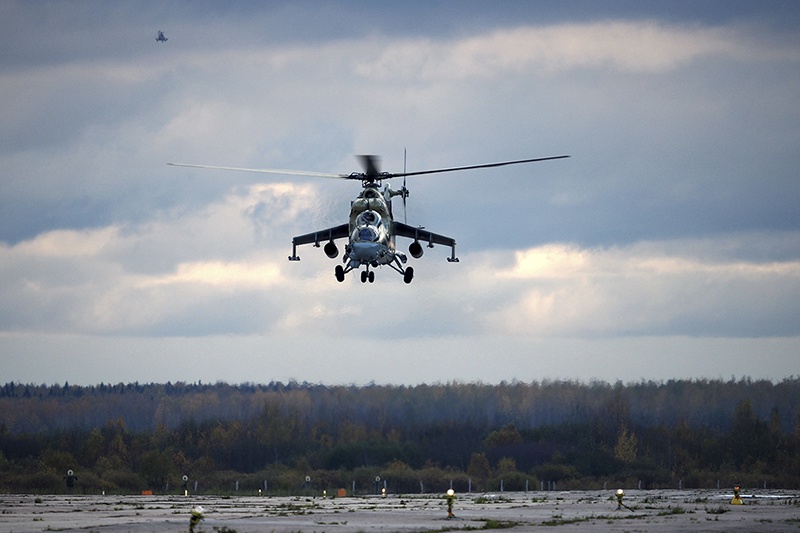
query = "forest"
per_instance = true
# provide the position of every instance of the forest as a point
(301, 438)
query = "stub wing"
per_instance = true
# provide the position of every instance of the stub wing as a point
(328, 234)
(423, 235)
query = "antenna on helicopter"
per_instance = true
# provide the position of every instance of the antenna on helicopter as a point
(405, 191)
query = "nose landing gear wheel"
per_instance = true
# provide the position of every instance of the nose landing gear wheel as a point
(339, 273)
(367, 276)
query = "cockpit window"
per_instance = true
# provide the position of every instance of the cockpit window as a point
(367, 235)
(369, 218)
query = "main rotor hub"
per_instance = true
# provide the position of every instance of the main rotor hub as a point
(369, 179)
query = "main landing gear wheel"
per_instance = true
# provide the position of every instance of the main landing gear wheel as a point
(339, 273)
(408, 275)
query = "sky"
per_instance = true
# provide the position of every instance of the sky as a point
(666, 247)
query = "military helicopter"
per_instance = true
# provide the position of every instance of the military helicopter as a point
(161, 38)
(372, 229)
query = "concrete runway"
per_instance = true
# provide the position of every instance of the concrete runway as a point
(660, 511)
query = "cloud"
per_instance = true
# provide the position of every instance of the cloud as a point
(138, 278)
(676, 215)
(644, 289)
(89, 138)
(233, 251)
(626, 46)
(223, 274)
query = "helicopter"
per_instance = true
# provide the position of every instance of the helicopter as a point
(372, 229)
(161, 38)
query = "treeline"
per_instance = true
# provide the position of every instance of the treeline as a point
(304, 437)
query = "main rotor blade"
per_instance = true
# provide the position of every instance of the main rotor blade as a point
(487, 165)
(370, 165)
(266, 171)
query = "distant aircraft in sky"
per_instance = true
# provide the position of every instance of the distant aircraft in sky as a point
(161, 38)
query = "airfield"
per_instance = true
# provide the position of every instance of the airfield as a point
(685, 510)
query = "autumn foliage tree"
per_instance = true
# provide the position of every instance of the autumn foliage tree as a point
(128, 437)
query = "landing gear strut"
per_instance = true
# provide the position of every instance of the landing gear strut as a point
(368, 275)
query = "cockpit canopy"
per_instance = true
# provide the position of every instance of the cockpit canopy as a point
(369, 227)
(367, 234)
(369, 218)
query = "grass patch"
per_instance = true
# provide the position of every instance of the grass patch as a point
(488, 525)
(673, 510)
(499, 524)
(559, 521)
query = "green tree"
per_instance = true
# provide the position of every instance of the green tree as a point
(95, 444)
(508, 434)
(506, 465)
(155, 468)
(626, 447)
(750, 437)
(479, 467)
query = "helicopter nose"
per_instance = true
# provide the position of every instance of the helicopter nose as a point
(366, 251)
